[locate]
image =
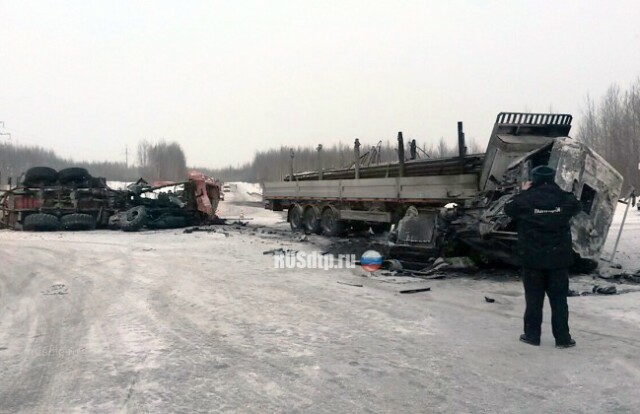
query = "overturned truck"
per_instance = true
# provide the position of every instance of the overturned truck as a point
(439, 206)
(71, 199)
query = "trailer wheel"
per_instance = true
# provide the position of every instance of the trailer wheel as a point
(134, 219)
(296, 217)
(311, 220)
(40, 176)
(41, 222)
(78, 222)
(331, 224)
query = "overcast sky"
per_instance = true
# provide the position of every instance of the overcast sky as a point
(87, 78)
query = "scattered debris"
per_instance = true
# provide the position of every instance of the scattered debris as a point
(427, 289)
(414, 273)
(626, 276)
(350, 284)
(462, 263)
(394, 265)
(489, 300)
(190, 230)
(57, 289)
(605, 290)
(279, 251)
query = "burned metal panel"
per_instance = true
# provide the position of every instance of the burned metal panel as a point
(481, 221)
(493, 219)
(418, 228)
(596, 184)
(516, 133)
(505, 150)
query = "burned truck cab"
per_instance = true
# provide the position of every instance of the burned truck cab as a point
(519, 143)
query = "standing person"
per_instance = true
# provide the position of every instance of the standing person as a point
(543, 212)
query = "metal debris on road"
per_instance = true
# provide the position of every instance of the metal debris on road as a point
(427, 289)
(350, 284)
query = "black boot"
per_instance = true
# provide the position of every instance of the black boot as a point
(530, 341)
(568, 344)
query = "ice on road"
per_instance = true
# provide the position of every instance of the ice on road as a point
(168, 322)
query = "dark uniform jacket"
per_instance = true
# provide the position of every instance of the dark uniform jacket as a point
(543, 214)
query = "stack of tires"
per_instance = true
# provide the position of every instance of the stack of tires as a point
(72, 177)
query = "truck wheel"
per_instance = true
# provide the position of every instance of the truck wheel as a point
(74, 176)
(78, 222)
(295, 217)
(331, 225)
(41, 222)
(40, 176)
(134, 219)
(311, 220)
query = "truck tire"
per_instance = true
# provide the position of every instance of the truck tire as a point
(74, 175)
(311, 220)
(296, 217)
(134, 219)
(75, 222)
(37, 176)
(41, 222)
(331, 224)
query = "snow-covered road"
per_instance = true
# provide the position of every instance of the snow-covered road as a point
(164, 322)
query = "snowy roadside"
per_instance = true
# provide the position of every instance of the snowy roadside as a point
(165, 321)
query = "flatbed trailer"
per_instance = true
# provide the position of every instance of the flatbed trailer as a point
(412, 194)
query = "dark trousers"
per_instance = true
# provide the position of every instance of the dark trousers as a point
(555, 282)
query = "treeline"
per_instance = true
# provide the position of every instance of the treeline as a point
(274, 164)
(161, 161)
(15, 160)
(612, 128)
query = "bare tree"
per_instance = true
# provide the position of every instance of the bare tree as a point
(612, 128)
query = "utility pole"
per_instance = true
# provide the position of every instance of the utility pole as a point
(126, 156)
